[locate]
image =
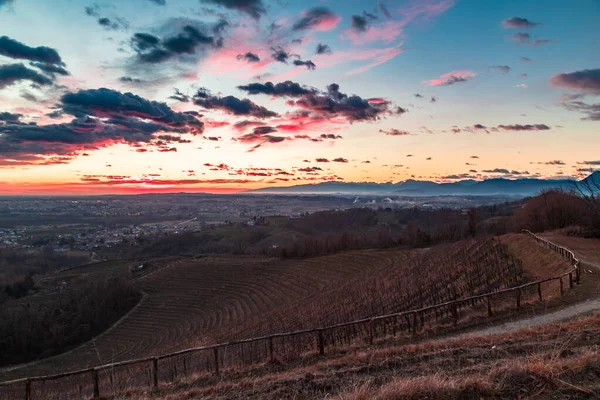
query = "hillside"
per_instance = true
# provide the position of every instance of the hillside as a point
(205, 300)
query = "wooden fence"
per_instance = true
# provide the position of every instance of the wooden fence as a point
(214, 358)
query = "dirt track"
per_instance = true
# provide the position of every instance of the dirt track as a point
(588, 254)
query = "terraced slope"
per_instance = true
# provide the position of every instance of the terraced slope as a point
(189, 302)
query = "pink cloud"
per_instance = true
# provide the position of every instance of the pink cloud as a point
(451, 78)
(329, 23)
(426, 9)
(390, 30)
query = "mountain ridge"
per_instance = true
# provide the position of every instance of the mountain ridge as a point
(412, 187)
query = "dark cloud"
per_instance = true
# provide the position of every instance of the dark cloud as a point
(518, 23)
(394, 132)
(503, 68)
(93, 10)
(116, 24)
(308, 64)
(9, 117)
(189, 41)
(359, 23)
(129, 79)
(159, 2)
(250, 57)
(254, 8)
(587, 80)
(184, 98)
(313, 18)
(108, 103)
(595, 162)
(351, 107)
(519, 127)
(280, 55)
(479, 126)
(322, 160)
(505, 171)
(330, 136)
(340, 160)
(455, 79)
(263, 130)
(13, 73)
(231, 105)
(526, 59)
(323, 49)
(102, 117)
(552, 162)
(15, 49)
(50, 68)
(384, 10)
(281, 89)
(592, 110)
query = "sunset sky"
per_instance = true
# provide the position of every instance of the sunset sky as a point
(133, 96)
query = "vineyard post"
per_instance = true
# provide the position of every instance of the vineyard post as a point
(518, 299)
(539, 287)
(155, 372)
(216, 353)
(96, 385)
(320, 342)
(28, 389)
(577, 271)
(489, 306)
(371, 329)
(414, 327)
(271, 349)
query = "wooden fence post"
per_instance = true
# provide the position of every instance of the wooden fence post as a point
(28, 389)
(539, 285)
(321, 342)
(489, 306)
(216, 353)
(414, 321)
(271, 349)
(518, 299)
(371, 329)
(155, 373)
(562, 291)
(570, 280)
(96, 384)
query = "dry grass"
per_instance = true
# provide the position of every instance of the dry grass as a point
(559, 361)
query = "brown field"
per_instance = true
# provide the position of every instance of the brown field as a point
(189, 302)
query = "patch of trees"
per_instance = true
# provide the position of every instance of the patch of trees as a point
(29, 332)
(558, 209)
(18, 264)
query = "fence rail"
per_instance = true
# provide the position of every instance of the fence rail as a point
(318, 338)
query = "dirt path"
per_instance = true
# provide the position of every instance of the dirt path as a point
(588, 253)
(563, 314)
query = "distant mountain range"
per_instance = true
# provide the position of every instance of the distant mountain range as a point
(411, 187)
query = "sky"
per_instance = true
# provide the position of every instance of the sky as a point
(136, 96)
